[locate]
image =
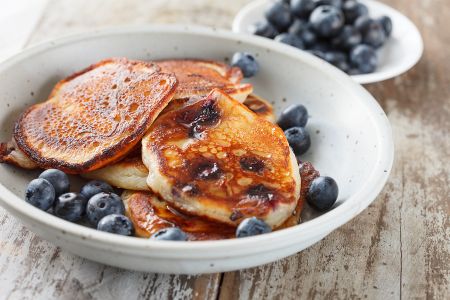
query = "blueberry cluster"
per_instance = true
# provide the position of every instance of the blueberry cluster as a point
(338, 31)
(323, 191)
(96, 202)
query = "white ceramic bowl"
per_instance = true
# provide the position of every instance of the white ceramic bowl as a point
(351, 141)
(400, 53)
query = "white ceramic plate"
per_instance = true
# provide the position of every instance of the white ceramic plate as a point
(400, 53)
(351, 141)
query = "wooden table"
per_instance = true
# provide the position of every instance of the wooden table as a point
(397, 248)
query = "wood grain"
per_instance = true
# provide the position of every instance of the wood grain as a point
(397, 248)
(400, 246)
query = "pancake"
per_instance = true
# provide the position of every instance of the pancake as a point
(307, 173)
(150, 214)
(217, 159)
(260, 106)
(11, 154)
(200, 77)
(95, 116)
(129, 173)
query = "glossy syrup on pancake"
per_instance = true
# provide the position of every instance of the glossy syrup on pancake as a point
(95, 116)
(215, 158)
(199, 77)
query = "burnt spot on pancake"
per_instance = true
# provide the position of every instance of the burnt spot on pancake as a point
(199, 117)
(205, 169)
(260, 192)
(251, 163)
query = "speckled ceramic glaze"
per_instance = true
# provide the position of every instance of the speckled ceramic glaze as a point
(351, 141)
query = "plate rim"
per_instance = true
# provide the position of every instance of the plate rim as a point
(321, 225)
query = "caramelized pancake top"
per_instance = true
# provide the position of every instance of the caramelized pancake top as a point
(199, 77)
(216, 158)
(95, 116)
(150, 214)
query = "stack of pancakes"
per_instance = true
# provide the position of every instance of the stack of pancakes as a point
(186, 140)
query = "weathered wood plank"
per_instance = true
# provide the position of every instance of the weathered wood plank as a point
(400, 246)
(66, 17)
(31, 268)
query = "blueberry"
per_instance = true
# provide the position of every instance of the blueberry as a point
(352, 10)
(335, 57)
(321, 45)
(279, 14)
(308, 36)
(246, 62)
(343, 66)
(252, 226)
(364, 58)
(302, 8)
(297, 27)
(327, 20)
(374, 35)
(386, 22)
(265, 29)
(335, 3)
(103, 204)
(318, 53)
(290, 39)
(338, 59)
(170, 234)
(362, 23)
(58, 179)
(299, 140)
(293, 116)
(40, 193)
(94, 187)
(353, 71)
(70, 206)
(117, 224)
(348, 38)
(322, 193)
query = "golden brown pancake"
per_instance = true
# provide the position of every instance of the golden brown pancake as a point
(150, 214)
(216, 158)
(11, 154)
(95, 116)
(129, 173)
(307, 175)
(199, 77)
(260, 106)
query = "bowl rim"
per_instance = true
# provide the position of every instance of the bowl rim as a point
(376, 76)
(319, 226)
